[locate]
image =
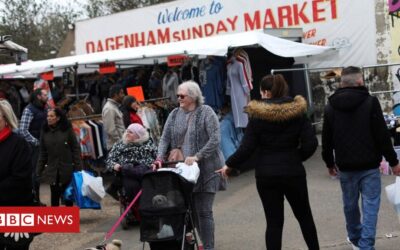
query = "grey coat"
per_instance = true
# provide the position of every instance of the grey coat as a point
(204, 139)
(238, 89)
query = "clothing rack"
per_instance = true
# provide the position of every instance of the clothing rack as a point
(157, 99)
(87, 117)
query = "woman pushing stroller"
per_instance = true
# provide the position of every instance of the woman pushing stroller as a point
(132, 157)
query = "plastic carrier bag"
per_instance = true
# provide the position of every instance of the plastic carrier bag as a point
(393, 195)
(190, 173)
(92, 187)
(74, 193)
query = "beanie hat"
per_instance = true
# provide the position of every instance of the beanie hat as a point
(138, 129)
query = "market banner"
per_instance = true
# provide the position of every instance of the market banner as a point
(348, 25)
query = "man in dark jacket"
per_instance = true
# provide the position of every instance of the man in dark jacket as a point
(354, 139)
(30, 128)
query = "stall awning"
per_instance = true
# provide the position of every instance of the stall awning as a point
(216, 45)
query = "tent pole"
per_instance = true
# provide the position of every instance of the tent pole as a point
(76, 81)
(308, 87)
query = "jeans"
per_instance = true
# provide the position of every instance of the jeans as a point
(272, 191)
(368, 184)
(203, 203)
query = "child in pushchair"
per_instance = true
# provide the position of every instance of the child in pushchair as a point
(167, 220)
(130, 158)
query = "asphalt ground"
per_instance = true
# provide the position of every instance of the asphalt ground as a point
(239, 218)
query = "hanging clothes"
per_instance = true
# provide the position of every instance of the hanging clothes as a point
(230, 136)
(242, 56)
(212, 81)
(40, 83)
(170, 86)
(238, 89)
(150, 121)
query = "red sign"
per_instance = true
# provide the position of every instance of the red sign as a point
(107, 68)
(136, 92)
(39, 219)
(178, 60)
(47, 76)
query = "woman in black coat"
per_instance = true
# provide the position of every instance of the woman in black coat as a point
(59, 154)
(279, 137)
(15, 171)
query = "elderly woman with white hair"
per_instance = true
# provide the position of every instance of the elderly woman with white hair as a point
(193, 130)
(15, 171)
(132, 156)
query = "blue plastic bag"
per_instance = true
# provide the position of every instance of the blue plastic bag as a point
(74, 193)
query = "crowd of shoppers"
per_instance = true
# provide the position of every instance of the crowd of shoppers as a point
(278, 139)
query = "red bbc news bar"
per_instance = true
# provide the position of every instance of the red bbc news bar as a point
(39, 219)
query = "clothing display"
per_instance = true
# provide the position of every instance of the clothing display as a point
(212, 81)
(90, 138)
(170, 85)
(238, 89)
(150, 121)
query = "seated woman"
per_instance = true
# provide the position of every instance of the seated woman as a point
(132, 156)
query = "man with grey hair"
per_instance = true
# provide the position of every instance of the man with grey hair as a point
(354, 139)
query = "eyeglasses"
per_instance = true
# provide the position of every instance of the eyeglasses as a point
(181, 96)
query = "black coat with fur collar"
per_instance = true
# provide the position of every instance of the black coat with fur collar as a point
(278, 138)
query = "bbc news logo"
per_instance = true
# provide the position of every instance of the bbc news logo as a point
(39, 219)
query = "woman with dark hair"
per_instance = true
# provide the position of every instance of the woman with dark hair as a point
(281, 137)
(59, 154)
(129, 108)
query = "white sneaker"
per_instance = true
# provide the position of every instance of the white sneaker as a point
(352, 245)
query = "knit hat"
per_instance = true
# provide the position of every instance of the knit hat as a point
(138, 129)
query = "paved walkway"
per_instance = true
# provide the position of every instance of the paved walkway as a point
(239, 218)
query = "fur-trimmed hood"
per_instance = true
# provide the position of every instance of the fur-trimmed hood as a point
(277, 110)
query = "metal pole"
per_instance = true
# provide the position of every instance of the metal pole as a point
(301, 69)
(380, 65)
(308, 87)
(76, 81)
(328, 68)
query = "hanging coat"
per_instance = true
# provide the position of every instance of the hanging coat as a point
(238, 88)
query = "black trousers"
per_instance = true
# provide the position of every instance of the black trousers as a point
(57, 193)
(272, 191)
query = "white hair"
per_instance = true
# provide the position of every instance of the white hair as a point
(8, 114)
(193, 91)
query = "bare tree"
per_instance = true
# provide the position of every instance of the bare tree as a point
(37, 25)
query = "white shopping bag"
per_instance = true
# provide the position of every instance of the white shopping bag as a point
(393, 195)
(92, 187)
(190, 173)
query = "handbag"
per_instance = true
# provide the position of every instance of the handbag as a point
(175, 154)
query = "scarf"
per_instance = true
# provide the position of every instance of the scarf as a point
(5, 133)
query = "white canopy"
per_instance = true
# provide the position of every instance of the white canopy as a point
(216, 45)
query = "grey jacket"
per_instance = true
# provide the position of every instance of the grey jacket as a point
(113, 122)
(204, 140)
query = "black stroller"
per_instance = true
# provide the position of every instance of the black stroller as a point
(166, 211)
